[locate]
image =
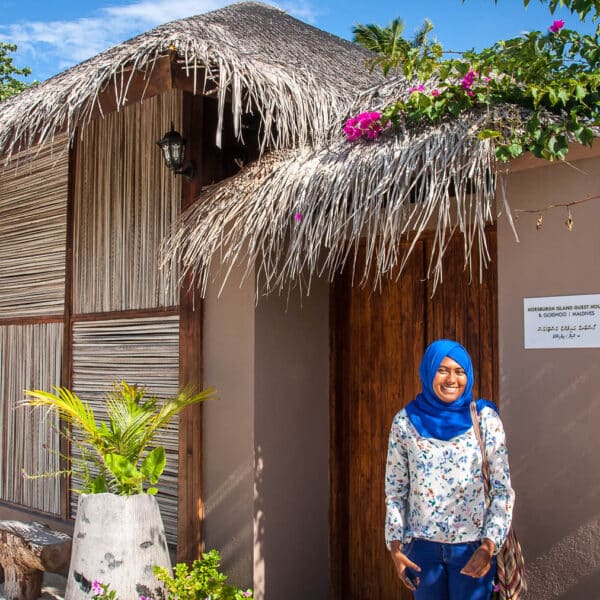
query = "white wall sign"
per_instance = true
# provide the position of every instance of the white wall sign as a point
(562, 321)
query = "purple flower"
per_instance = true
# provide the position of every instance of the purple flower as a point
(247, 594)
(145, 598)
(467, 80)
(496, 588)
(557, 26)
(298, 217)
(418, 88)
(366, 124)
(97, 588)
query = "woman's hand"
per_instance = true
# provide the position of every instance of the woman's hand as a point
(479, 564)
(401, 561)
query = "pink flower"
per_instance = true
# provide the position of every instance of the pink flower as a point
(97, 587)
(366, 124)
(467, 80)
(487, 79)
(418, 88)
(496, 588)
(435, 92)
(298, 217)
(557, 26)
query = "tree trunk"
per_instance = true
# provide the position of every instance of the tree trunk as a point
(117, 541)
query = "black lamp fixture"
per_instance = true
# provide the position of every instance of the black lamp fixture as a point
(173, 149)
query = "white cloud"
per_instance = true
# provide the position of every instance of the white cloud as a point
(48, 47)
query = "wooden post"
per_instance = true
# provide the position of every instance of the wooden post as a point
(191, 510)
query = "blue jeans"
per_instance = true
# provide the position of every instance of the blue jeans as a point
(440, 574)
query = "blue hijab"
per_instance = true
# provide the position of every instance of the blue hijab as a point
(432, 417)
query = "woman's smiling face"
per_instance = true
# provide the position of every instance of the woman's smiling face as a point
(449, 381)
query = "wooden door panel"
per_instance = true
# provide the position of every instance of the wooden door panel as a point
(378, 338)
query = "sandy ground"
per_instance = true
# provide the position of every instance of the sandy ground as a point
(54, 587)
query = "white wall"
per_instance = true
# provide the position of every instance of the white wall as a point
(292, 445)
(550, 398)
(228, 427)
(266, 440)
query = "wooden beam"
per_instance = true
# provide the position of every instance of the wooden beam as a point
(66, 379)
(191, 509)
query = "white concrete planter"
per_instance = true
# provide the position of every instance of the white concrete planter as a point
(117, 540)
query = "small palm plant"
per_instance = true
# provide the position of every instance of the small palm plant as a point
(117, 455)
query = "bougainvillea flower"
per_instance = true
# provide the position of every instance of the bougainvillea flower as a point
(467, 80)
(418, 88)
(366, 124)
(298, 216)
(435, 92)
(557, 26)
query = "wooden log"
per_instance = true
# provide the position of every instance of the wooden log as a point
(27, 549)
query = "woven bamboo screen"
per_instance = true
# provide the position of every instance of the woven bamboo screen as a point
(33, 228)
(30, 358)
(143, 351)
(125, 202)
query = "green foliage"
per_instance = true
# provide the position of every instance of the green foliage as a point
(393, 50)
(582, 8)
(116, 455)
(551, 81)
(200, 581)
(9, 84)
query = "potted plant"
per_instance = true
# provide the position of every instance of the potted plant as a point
(119, 534)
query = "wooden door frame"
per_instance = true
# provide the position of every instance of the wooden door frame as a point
(338, 416)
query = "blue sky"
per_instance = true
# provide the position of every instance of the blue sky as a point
(54, 35)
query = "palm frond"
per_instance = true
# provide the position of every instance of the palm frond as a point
(68, 405)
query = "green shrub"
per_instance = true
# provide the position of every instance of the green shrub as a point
(201, 581)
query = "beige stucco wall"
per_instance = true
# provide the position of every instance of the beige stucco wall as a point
(292, 445)
(266, 440)
(550, 398)
(228, 427)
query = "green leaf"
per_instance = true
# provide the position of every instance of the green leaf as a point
(98, 485)
(580, 92)
(154, 464)
(152, 491)
(563, 96)
(515, 149)
(486, 134)
(585, 136)
(122, 468)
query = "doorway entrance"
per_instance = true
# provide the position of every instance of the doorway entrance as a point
(378, 339)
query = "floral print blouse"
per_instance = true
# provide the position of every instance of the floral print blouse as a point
(434, 488)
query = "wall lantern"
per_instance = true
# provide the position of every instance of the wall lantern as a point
(173, 149)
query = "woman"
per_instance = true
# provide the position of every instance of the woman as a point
(440, 531)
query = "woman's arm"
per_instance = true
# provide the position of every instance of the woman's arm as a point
(502, 496)
(396, 486)
(396, 500)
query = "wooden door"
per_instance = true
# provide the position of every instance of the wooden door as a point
(378, 339)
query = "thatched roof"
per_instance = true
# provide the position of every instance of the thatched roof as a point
(303, 212)
(296, 76)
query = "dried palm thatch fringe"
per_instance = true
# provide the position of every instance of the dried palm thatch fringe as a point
(249, 54)
(302, 213)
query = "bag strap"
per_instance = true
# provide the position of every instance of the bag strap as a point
(485, 467)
